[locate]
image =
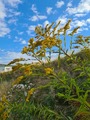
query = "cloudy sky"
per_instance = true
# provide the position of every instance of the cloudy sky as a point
(18, 19)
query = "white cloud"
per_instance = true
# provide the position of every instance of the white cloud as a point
(49, 10)
(59, 4)
(9, 36)
(16, 13)
(13, 3)
(1, 50)
(88, 20)
(63, 20)
(79, 23)
(12, 13)
(34, 9)
(2, 11)
(11, 55)
(69, 4)
(41, 17)
(46, 22)
(34, 18)
(12, 21)
(23, 42)
(83, 7)
(85, 29)
(3, 26)
(20, 33)
(38, 17)
(3, 29)
(20, 40)
(14, 55)
(80, 15)
(31, 29)
(82, 29)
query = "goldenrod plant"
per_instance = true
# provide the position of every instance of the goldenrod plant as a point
(52, 90)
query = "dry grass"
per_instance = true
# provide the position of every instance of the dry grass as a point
(4, 87)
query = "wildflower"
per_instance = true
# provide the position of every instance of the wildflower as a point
(18, 80)
(25, 50)
(16, 60)
(60, 30)
(30, 92)
(31, 41)
(48, 38)
(58, 42)
(5, 115)
(28, 70)
(19, 86)
(48, 71)
(49, 42)
(1, 107)
(67, 26)
(4, 99)
(38, 43)
(74, 31)
(25, 93)
(42, 54)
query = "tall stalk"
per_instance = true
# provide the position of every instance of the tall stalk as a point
(59, 55)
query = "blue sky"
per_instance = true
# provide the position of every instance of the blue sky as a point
(18, 19)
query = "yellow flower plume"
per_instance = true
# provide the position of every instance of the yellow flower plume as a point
(30, 92)
(18, 80)
(48, 71)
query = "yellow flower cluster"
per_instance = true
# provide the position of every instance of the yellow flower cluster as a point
(41, 53)
(30, 92)
(38, 43)
(18, 80)
(4, 99)
(1, 107)
(48, 42)
(48, 71)
(25, 50)
(16, 60)
(5, 115)
(17, 66)
(31, 41)
(67, 26)
(75, 31)
(27, 70)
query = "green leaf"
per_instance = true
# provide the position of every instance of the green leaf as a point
(60, 95)
(77, 69)
(86, 94)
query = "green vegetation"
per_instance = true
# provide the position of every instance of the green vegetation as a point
(49, 90)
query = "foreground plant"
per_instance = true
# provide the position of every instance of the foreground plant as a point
(64, 94)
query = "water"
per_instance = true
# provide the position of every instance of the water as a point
(2, 68)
